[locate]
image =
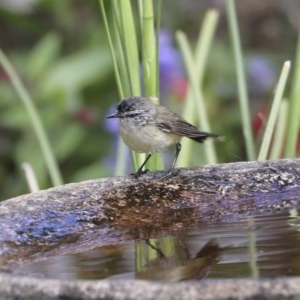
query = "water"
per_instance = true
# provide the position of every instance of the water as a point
(264, 247)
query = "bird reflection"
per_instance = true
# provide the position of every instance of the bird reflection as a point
(180, 266)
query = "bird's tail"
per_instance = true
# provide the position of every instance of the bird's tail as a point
(202, 136)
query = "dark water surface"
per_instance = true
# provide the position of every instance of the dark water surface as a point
(264, 247)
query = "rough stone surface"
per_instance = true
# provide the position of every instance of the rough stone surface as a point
(80, 216)
(12, 288)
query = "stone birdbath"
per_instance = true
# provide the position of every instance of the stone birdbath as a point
(75, 217)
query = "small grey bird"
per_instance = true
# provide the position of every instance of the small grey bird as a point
(149, 128)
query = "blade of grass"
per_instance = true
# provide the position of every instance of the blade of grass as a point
(150, 81)
(121, 151)
(280, 131)
(129, 42)
(119, 52)
(204, 42)
(158, 24)
(158, 161)
(150, 63)
(294, 109)
(241, 80)
(122, 156)
(149, 49)
(37, 125)
(141, 256)
(124, 52)
(140, 9)
(203, 46)
(189, 63)
(265, 146)
(125, 48)
(30, 177)
(130, 51)
(254, 270)
(111, 47)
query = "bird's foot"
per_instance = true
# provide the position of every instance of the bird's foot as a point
(139, 173)
(169, 174)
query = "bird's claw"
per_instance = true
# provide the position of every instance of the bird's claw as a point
(140, 173)
(168, 174)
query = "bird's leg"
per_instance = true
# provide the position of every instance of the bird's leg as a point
(140, 170)
(159, 251)
(170, 172)
(178, 149)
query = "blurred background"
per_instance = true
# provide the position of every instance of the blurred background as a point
(60, 50)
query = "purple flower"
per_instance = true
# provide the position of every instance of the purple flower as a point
(261, 75)
(172, 78)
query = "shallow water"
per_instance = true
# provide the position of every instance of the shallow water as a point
(264, 247)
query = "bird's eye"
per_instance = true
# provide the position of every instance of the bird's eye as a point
(125, 106)
(119, 108)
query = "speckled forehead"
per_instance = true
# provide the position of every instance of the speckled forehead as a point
(126, 105)
(134, 104)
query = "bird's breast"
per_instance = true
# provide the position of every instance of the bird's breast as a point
(146, 138)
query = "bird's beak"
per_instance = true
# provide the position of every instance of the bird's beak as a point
(115, 115)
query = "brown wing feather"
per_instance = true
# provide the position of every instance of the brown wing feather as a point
(177, 125)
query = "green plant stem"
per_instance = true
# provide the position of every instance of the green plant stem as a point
(280, 131)
(111, 47)
(158, 24)
(124, 52)
(241, 80)
(121, 85)
(38, 128)
(201, 57)
(197, 93)
(129, 42)
(204, 42)
(127, 34)
(149, 49)
(30, 177)
(274, 111)
(150, 64)
(254, 270)
(294, 109)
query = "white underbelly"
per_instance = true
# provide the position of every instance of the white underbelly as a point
(147, 139)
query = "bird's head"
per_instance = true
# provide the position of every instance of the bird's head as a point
(133, 106)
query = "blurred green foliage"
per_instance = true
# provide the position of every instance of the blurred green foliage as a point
(60, 50)
(71, 82)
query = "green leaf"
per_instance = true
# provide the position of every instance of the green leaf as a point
(75, 72)
(43, 55)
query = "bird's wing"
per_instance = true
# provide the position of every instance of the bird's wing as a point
(177, 125)
(180, 127)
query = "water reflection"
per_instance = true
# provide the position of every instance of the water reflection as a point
(180, 265)
(211, 250)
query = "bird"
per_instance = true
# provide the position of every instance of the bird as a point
(147, 127)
